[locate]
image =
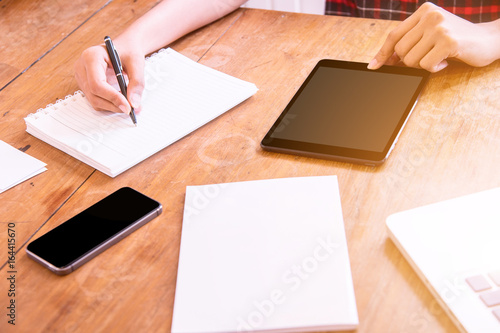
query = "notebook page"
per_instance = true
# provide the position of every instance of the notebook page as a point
(180, 96)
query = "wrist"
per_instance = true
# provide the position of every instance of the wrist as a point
(492, 33)
(129, 44)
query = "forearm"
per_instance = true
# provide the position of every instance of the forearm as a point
(168, 21)
(172, 19)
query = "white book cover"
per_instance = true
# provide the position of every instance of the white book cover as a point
(267, 255)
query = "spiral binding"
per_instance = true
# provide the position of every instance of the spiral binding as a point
(157, 54)
(54, 106)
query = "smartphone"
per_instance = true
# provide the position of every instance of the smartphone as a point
(81, 238)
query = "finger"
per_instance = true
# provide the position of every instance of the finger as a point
(426, 54)
(412, 54)
(411, 42)
(388, 48)
(97, 102)
(135, 71)
(393, 60)
(434, 60)
(103, 94)
(101, 104)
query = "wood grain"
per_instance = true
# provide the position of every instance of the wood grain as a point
(31, 204)
(450, 147)
(31, 29)
(51, 80)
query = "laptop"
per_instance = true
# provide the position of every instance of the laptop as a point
(454, 246)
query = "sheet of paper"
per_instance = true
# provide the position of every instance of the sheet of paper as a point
(16, 166)
(264, 255)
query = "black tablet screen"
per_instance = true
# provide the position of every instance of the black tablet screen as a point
(353, 109)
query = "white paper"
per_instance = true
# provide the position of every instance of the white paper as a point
(264, 255)
(16, 166)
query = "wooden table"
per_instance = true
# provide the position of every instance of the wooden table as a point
(450, 147)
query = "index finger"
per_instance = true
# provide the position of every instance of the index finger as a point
(387, 49)
(99, 86)
(134, 67)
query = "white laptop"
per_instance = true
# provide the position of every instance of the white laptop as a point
(454, 246)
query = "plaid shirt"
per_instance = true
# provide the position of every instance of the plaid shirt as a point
(472, 10)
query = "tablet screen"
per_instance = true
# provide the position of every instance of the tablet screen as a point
(346, 110)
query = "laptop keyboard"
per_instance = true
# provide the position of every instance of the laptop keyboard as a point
(487, 286)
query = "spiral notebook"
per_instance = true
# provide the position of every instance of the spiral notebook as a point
(180, 96)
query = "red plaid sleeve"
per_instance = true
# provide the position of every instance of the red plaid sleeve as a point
(341, 8)
(472, 10)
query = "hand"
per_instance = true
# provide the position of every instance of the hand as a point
(431, 35)
(96, 78)
(165, 23)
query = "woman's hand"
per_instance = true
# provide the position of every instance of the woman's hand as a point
(96, 78)
(163, 24)
(431, 35)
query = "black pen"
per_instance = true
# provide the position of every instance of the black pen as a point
(117, 67)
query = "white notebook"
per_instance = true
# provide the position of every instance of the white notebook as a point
(267, 255)
(180, 96)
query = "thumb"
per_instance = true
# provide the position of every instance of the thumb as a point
(135, 72)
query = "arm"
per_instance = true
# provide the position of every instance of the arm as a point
(431, 35)
(168, 21)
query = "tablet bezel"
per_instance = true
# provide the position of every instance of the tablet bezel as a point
(337, 152)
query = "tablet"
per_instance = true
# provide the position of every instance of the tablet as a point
(344, 111)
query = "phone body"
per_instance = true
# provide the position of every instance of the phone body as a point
(76, 241)
(343, 111)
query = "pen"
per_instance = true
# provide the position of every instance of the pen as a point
(117, 67)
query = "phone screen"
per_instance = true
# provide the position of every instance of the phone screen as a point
(93, 227)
